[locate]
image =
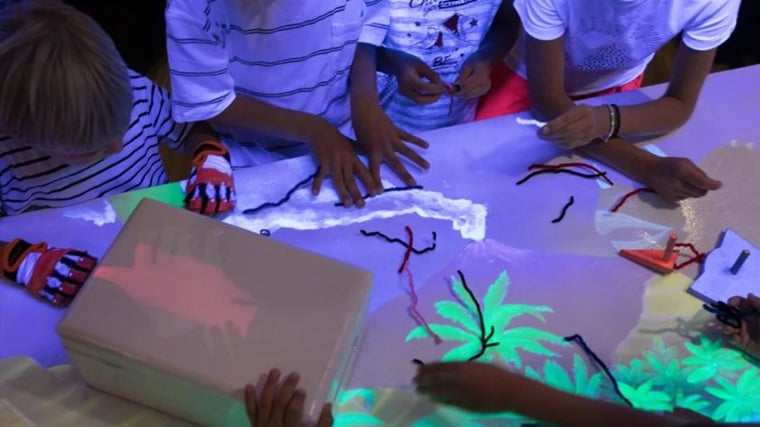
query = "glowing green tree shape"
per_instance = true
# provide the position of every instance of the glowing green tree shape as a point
(645, 397)
(363, 396)
(672, 377)
(496, 317)
(555, 376)
(711, 357)
(741, 402)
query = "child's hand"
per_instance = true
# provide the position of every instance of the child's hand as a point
(578, 126)
(416, 80)
(336, 156)
(53, 274)
(210, 189)
(747, 337)
(382, 140)
(474, 386)
(474, 78)
(676, 179)
(280, 406)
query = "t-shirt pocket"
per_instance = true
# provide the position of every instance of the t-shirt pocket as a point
(347, 25)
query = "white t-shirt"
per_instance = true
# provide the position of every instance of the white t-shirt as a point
(293, 54)
(441, 33)
(30, 179)
(610, 42)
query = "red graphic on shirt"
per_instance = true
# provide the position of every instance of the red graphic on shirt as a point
(182, 286)
(448, 33)
(452, 24)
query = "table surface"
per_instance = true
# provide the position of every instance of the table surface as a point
(535, 281)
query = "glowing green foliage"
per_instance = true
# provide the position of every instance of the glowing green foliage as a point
(645, 397)
(496, 314)
(741, 401)
(636, 372)
(365, 394)
(709, 357)
(356, 419)
(555, 376)
(365, 399)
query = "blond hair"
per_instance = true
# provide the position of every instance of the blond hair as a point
(63, 85)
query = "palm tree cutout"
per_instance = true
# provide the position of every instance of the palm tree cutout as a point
(581, 384)
(741, 401)
(484, 332)
(661, 380)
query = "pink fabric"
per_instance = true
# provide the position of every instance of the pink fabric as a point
(509, 93)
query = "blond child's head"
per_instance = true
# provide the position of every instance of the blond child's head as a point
(64, 89)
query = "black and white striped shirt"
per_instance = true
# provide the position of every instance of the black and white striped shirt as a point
(30, 179)
(293, 54)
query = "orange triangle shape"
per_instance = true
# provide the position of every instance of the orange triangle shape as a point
(652, 259)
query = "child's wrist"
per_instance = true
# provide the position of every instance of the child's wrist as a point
(318, 130)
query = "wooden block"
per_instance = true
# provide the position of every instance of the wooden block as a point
(654, 259)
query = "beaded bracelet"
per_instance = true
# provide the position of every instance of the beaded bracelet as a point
(617, 120)
(613, 122)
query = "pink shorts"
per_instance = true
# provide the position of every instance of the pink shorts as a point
(509, 93)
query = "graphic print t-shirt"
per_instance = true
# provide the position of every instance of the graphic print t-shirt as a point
(443, 33)
(609, 43)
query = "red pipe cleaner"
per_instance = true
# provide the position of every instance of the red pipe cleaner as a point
(570, 165)
(629, 195)
(698, 256)
(408, 252)
(418, 317)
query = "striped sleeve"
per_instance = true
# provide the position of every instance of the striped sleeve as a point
(202, 86)
(378, 21)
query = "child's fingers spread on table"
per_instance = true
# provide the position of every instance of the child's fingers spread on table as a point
(397, 166)
(414, 157)
(349, 178)
(317, 184)
(294, 409)
(283, 396)
(375, 160)
(373, 186)
(267, 395)
(325, 417)
(413, 139)
(250, 402)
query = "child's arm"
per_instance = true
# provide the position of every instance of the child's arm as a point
(672, 178)
(487, 388)
(204, 89)
(333, 152)
(474, 78)
(572, 126)
(375, 131)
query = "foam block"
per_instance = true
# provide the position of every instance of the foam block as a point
(184, 310)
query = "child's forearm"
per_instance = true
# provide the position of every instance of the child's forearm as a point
(364, 77)
(389, 60)
(257, 117)
(501, 36)
(621, 155)
(674, 108)
(200, 132)
(546, 404)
